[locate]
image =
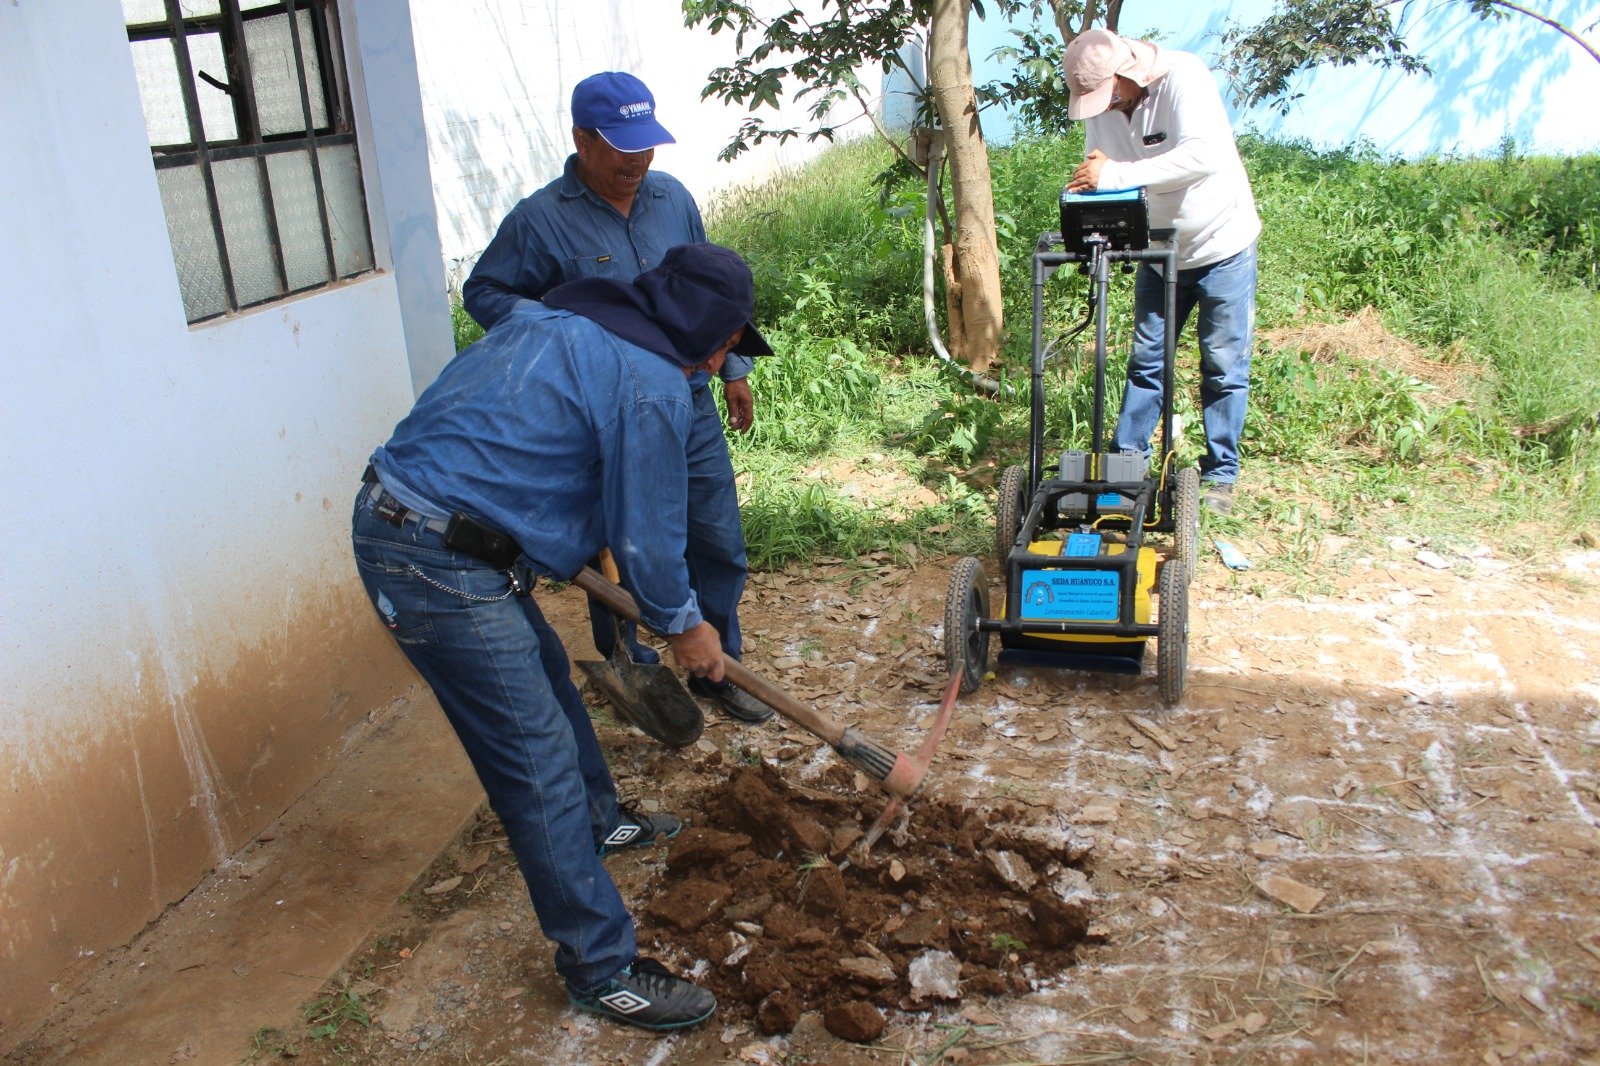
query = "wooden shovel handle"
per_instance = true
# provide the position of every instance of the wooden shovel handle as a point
(900, 774)
(618, 601)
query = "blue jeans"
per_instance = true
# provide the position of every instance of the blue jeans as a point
(502, 677)
(1226, 293)
(716, 557)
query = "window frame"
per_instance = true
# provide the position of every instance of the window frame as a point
(250, 143)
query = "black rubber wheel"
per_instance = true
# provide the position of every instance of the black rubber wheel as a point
(1172, 642)
(966, 647)
(1010, 508)
(1186, 520)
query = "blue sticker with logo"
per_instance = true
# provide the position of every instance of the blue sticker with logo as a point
(1109, 499)
(1069, 595)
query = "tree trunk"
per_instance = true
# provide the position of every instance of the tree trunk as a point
(976, 257)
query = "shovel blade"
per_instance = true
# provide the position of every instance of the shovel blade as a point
(650, 696)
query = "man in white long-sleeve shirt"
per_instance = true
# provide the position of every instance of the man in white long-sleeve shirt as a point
(1155, 118)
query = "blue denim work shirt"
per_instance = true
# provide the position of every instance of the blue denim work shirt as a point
(567, 438)
(565, 231)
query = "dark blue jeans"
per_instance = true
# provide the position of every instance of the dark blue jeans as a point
(502, 677)
(718, 568)
(1226, 294)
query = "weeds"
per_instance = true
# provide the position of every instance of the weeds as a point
(327, 1015)
(1488, 266)
(464, 326)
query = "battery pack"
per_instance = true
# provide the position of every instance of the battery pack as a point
(1122, 467)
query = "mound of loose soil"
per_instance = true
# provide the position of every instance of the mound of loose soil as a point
(963, 901)
(1364, 336)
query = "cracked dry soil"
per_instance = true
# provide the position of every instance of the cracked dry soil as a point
(1369, 834)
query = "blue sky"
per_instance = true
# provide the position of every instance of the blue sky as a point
(1508, 76)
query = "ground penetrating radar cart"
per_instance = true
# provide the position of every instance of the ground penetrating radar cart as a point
(1082, 588)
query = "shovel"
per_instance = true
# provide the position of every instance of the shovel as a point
(649, 695)
(898, 773)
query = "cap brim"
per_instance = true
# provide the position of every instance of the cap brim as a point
(638, 136)
(752, 343)
(1088, 105)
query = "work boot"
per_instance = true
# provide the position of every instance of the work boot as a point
(648, 995)
(635, 829)
(735, 702)
(1217, 496)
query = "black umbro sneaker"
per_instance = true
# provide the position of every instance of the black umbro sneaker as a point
(635, 829)
(648, 995)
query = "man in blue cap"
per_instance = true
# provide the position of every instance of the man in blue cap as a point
(567, 427)
(610, 216)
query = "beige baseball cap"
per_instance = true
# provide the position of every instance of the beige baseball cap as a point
(1095, 58)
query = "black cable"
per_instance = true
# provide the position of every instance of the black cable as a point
(1052, 348)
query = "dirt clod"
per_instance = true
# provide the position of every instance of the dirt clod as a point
(856, 1021)
(778, 1012)
(693, 906)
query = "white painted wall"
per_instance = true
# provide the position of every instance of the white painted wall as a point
(147, 463)
(497, 78)
(176, 498)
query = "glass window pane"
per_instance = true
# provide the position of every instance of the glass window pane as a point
(196, 8)
(139, 12)
(256, 5)
(194, 243)
(347, 209)
(160, 91)
(272, 69)
(339, 82)
(308, 49)
(216, 106)
(242, 201)
(294, 197)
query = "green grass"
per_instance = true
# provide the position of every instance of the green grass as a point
(1489, 265)
(466, 330)
(327, 1015)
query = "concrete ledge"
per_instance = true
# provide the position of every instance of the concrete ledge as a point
(265, 931)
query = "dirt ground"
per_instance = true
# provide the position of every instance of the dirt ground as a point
(1368, 834)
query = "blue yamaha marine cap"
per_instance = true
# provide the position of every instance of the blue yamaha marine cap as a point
(622, 109)
(685, 308)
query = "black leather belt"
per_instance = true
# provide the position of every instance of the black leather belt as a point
(461, 532)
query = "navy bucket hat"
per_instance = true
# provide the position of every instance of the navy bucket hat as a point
(685, 308)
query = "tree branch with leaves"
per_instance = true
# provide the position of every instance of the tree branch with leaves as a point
(1264, 59)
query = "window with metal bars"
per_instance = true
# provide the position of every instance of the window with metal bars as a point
(248, 112)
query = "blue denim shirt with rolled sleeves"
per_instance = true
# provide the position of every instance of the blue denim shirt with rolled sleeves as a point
(565, 231)
(567, 438)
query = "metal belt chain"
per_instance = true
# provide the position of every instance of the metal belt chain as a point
(514, 589)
